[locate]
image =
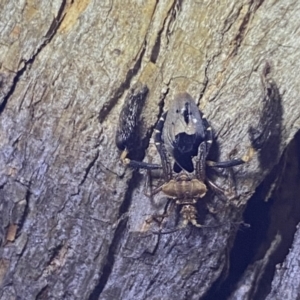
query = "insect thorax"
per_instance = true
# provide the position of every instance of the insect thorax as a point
(185, 189)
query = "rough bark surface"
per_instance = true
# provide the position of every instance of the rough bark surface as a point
(73, 220)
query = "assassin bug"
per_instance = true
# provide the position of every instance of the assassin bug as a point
(183, 138)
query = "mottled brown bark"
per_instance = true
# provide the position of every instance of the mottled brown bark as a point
(73, 220)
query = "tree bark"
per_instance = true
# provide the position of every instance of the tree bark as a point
(73, 220)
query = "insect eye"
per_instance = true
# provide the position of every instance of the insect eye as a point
(177, 111)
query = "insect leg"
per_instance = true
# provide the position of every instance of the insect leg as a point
(148, 185)
(140, 164)
(129, 118)
(199, 161)
(226, 164)
(215, 187)
(160, 148)
(232, 163)
(155, 217)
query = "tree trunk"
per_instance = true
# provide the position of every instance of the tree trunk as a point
(74, 222)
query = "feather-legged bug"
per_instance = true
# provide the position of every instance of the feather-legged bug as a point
(183, 138)
(129, 118)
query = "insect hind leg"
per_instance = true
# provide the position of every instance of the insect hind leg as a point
(226, 164)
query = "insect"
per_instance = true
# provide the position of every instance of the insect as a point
(183, 139)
